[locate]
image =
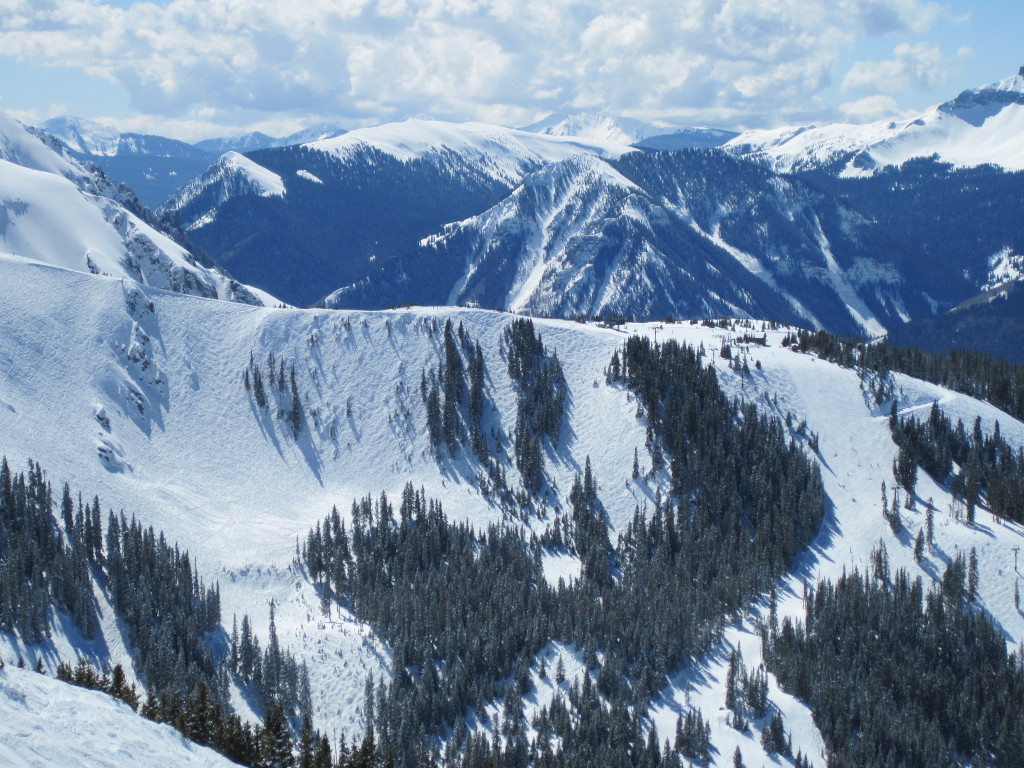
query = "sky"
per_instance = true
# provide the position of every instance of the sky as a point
(194, 69)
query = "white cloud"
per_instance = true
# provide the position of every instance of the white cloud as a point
(914, 68)
(371, 60)
(871, 108)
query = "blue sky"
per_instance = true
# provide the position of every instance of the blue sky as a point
(198, 68)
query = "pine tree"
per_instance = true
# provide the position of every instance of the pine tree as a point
(275, 739)
(296, 410)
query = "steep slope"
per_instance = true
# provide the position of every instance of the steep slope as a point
(355, 202)
(991, 322)
(981, 126)
(688, 234)
(47, 722)
(183, 445)
(59, 211)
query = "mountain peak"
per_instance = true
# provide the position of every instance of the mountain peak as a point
(624, 130)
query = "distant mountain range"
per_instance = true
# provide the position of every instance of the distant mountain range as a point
(853, 228)
(155, 166)
(980, 126)
(544, 222)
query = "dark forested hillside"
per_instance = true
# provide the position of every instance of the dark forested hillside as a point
(347, 227)
(467, 612)
(902, 676)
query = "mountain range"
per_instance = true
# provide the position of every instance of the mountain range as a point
(855, 228)
(155, 166)
(559, 532)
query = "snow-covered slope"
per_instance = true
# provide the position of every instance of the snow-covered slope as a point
(232, 175)
(55, 210)
(44, 723)
(980, 126)
(504, 153)
(183, 447)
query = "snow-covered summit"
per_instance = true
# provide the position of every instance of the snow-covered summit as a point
(86, 136)
(624, 130)
(232, 175)
(503, 153)
(980, 126)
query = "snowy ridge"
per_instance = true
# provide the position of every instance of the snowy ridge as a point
(228, 483)
(980, 126)
(265, 183)
(57, 211)
(503, 153)
(232, 175)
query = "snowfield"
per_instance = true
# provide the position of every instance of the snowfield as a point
(183, 447)
(58, 211)
(45, 723)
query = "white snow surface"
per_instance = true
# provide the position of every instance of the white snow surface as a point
(504, 153)
(983, 126)
(265, 182)
(56, 211)
(45, 723)
(195, 458)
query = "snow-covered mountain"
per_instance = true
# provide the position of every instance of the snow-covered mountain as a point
(140, 399)
(233, 175)
(980, 126)
(58, 211)
(690, 235)
(246, 142)
(430, 212)
(249, 142)
(624, 130)
(153, 166)
(505, 154)
(355, 202)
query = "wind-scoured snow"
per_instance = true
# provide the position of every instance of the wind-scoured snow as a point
(228, 482)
